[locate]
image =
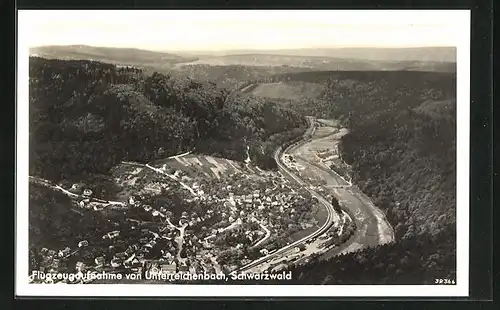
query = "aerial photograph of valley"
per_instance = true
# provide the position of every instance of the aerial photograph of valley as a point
(238, 151)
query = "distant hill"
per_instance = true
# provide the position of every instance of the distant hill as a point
(283, 60)
(438, 54)
(320, 63)
(343, 59)
(119, 56)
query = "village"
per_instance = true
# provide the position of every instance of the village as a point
(228, 222)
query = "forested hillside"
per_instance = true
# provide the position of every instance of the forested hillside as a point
(333, 94)
(402, 148)
(231, 76)
(86, 116)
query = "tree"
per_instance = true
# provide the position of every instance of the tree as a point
(336, 205)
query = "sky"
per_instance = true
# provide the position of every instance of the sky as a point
(217, 30)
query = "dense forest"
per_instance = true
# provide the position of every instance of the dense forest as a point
(231, 76)
(87, 116)
(333, 94)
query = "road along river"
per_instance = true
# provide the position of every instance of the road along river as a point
(372, 227)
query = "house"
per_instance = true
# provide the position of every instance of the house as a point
(264, 252)
(99, 261)
(192, 269)
(129, 251)
(132, 261)
(167, 255)
(80, 266)
(81, 204)
(121, 255)
(111, 234)
(168, 268)
(116, 262)
(147, 208)
(131, 200)
(87, 192)
(155, 213)
(96, 206)
(183, 269)
(75, 188)
(64, 252)
(83, 243)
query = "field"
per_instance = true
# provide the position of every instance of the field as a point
(275, 60)
(288, 91)
(132, 180)
(436, 109)
(209, 166)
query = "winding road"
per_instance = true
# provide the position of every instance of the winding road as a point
(372, 227)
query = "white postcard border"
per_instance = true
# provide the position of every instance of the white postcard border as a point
(459, 18)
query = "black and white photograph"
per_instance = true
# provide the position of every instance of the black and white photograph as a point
(242, 153)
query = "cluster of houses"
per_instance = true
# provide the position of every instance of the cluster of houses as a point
(240, 200)
(56, 261)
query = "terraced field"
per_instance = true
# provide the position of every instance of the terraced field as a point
(209, 166)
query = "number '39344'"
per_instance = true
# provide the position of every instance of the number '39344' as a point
(444, 281)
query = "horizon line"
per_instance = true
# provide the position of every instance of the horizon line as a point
(251, 49)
